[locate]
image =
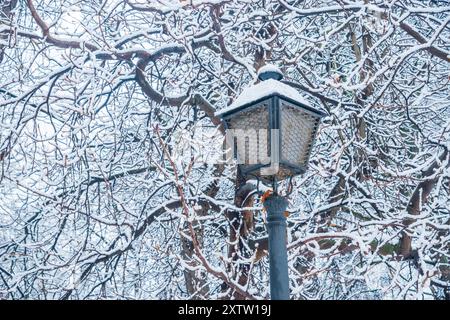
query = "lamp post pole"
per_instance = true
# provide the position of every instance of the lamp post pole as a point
(275, 206)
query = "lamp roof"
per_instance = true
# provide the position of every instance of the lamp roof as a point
(261, 90)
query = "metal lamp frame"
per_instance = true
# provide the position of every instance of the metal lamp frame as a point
(274, 109)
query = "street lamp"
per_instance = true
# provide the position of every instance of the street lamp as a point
(270, 130)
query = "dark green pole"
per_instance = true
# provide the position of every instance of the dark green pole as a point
(275, 206)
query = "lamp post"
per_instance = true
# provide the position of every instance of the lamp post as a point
(270, 130)
(276, 224)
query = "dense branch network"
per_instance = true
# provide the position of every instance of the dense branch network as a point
(107, 113)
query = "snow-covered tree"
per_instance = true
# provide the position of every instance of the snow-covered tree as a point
(107, 125)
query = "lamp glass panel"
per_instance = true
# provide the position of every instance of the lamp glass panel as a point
(298, 128)
(250, 129)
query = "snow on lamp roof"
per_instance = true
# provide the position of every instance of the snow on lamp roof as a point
(264, 89)
(270, 71)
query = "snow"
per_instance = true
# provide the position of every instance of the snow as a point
(269, 68)
(262, 90)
